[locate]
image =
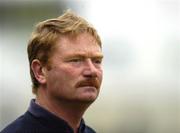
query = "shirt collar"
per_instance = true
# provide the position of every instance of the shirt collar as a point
(50, 120)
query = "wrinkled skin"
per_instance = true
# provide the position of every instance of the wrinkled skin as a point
(76, 70)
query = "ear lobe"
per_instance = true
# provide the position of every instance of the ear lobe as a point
(38, 71)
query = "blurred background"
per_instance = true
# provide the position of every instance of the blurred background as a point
(141, 45)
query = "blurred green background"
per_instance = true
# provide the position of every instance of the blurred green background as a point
(141, 45)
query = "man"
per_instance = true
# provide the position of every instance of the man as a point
(65, 58)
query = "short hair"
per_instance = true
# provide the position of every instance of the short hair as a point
(46, 33)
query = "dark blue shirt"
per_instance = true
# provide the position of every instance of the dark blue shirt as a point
(39, 120)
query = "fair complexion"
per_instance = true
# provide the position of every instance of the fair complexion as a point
(73, 81)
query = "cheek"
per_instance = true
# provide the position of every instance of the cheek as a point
(58, 81)
(70, 71)
(100, 73)
(67, 76)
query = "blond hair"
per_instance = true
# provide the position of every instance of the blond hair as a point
(46, 33)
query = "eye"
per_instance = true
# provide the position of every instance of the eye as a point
(97, 61)
(75, 60)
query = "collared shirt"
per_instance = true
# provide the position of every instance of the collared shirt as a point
(39, 120)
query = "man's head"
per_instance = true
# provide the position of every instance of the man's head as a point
(65, 52)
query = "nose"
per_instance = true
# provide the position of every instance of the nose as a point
(90, 70)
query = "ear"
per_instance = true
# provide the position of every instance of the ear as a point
(38, 71)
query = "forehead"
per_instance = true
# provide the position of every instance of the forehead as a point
(84, 44)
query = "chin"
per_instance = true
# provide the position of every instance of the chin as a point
(86, 101)
(88, 98)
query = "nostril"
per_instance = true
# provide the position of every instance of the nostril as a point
(89, 73)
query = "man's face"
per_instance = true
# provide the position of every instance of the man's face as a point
(76, 71)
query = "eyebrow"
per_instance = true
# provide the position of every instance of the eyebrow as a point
(83, 55)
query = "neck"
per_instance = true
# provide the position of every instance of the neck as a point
(69, 111)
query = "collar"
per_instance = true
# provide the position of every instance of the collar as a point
(50, 120)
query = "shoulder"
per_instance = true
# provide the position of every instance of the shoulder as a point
(14, 126)
(23, 124)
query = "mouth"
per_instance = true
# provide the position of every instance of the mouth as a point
(89, 89)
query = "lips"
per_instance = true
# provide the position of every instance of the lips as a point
(88, 83)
